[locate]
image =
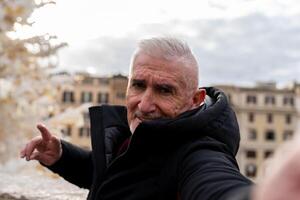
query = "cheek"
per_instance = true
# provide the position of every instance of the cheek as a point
(169, 108)
(131, 104)
(174, 107)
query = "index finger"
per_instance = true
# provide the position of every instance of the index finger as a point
(46, 135)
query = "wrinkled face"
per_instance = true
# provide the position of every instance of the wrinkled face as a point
(157, 88)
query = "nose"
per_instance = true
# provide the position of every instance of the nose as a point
(147, 102)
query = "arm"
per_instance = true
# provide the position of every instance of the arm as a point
(209, 173)
(75, 165)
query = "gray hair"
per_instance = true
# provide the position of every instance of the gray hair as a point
(167, 48)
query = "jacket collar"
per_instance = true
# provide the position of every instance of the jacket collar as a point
(217, 121)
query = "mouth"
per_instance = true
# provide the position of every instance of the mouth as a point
(142, 119)
(150, 117)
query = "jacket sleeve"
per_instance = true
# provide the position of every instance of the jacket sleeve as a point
(211, 174)
(75, 165)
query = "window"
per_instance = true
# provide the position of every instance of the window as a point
(120, 95)
(84, 132)
(86, 97)
(251, 154)
(68, 97)
(251, 170)
(288, 101)
(285, 100)
(67, 131)
(86, 117)
(291, 101)
(103, 98)
(288, 119)
(270, 99)
(270, 135)
(269, 118)
(268, 153)
(251, 117)
(287, 135)
(81, 132)
(251, 99)
(252, 135)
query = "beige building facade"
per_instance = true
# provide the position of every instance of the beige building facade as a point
(85, 91)
(267, 117)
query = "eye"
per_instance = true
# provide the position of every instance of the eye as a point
(137, 84)
(165, 89)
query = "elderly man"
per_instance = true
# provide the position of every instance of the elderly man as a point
(172, 141)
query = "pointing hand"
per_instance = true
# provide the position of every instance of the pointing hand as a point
(45, 148)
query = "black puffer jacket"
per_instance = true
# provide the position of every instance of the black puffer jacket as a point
(189, 157)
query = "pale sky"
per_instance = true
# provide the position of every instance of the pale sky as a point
(235, 41)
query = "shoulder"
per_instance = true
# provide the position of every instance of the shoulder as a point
(203, 146)
(208, 170)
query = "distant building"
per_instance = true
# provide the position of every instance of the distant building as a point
(267, 117)
(87, 90)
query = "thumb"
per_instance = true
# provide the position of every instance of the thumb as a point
(41, 158)
(46, 135)
(35, 156)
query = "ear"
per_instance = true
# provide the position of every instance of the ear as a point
(199, 97)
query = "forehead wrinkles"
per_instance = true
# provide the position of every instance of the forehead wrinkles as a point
(159, 76)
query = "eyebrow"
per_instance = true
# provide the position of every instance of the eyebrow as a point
(138, 81)
(167, 86)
